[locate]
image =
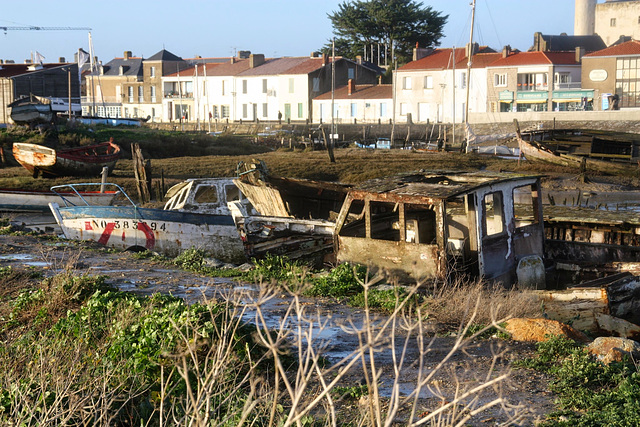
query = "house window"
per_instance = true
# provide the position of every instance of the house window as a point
(354, 109)
(215, 112)
(264, 85)
(153, 94)
(406, 83)
(140, 94)
(499, 80)
(152, 72)
(225, 111)
(463, 80)
(403, 108)
(316, 84)
(351, 73)
(265, 110)
(244, 111)
(300, 114)
(130, 93)
(383, 109)
(291, 85)
(428, 82)
(244, 86)
(612, 22)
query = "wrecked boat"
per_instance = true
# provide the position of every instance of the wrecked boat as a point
(586, 150)
(88, 160)
(293, 217)
(195, 217)
(434, 225)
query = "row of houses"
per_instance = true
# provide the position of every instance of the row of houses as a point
(559, 73)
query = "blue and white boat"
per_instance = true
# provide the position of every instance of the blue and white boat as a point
(195, 217)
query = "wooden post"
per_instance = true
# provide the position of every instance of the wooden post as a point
(141, 169)
(105, 172)
(329, 145)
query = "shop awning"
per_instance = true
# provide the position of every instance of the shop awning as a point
(532, 101)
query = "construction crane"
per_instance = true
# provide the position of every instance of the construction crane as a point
(36, 28)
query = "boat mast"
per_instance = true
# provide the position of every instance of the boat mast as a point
(453, 91)
(93, 87)
(469, 61)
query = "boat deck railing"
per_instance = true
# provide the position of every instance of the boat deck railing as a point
(76, 191)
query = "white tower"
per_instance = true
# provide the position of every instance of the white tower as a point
(585, 18)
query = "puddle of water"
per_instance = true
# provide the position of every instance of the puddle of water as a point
(17, 257)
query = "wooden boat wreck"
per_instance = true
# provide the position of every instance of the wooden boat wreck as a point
(436, 225)
(582, 149)
(196, 217)
(38, 201)
(88, 160)
(293, 217)
(31, 111)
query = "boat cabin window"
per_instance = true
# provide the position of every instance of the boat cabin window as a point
(206, 194)
(232, 192)
(493, 213)
(391, 221)
(385, 221)
(354, 224)
(525, 201)
(420, 223)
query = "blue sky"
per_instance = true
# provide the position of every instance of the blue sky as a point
(217, 28)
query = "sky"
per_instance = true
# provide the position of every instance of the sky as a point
(220, 28)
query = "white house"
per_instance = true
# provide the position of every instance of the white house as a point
(434, 86)
(355, 103)
(256, 88)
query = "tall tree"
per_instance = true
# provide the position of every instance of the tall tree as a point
(359, 24)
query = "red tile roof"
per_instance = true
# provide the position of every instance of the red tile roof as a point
(536, 58)
(361, 92)
(217, 69)
(441, 59)
(631, 47)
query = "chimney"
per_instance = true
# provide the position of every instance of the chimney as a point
(313, 55)
(471, 49)
(244, 54)
(351, 87)
(62, 60)
(233, 60)
(325, 59)
(127, 54)
(420, 52)
(359, 59)
(256, 60)
(580, 51)
(506, 51)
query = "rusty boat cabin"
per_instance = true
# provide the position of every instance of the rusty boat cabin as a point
(437, 225)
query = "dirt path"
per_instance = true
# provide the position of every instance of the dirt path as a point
(524, 390)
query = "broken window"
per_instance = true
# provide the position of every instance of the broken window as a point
(493, 213)
(355, 225)
(385, 221)
(525, 212)
(420, 223)
(232, 192)
(206, 194)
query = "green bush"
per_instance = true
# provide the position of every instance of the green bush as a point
(342, 281)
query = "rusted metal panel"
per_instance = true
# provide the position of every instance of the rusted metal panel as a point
(413, 261)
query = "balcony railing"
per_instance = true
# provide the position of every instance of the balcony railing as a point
(173, 94)
(564, 86)
(530, 87)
